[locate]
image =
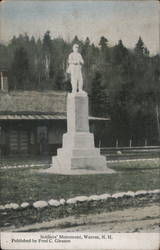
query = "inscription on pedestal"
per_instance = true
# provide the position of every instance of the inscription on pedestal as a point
(77, 113)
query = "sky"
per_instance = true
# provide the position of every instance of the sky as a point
(126, 20)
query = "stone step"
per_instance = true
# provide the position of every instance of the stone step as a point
(67, 152)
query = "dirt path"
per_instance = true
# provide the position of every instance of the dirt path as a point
(146, 219)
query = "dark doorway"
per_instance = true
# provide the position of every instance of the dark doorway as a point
(19, 141)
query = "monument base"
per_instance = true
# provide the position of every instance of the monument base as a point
(78, 154)
(58, 170)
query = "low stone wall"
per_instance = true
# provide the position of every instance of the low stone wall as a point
(39, 211)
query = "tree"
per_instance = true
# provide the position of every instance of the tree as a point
(146, 51)
(20, 69)
(103, 42)
(98, 97)
(87, 42)
(47, 42)
(47, 51)
(139, 48)
(76, 40)
(119, 53)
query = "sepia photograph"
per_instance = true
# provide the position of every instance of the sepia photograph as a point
(80, 124)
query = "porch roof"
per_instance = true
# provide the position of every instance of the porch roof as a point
(35, 105)
(42, 117)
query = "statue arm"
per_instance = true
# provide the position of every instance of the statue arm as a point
(70, 59)
(81, 60)
(75, 60)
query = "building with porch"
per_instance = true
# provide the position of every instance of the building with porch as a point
(33, 122)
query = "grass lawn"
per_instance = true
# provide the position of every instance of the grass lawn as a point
(23, 160)
(20, 185)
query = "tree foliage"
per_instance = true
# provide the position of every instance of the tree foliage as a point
(122, 83)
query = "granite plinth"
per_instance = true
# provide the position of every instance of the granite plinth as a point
(78, 154)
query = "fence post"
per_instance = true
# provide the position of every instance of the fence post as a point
(145, 142)
(158, 121)
(130, 143)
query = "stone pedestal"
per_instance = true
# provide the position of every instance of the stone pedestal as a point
(78, 153)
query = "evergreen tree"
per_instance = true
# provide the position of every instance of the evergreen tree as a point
(139, 48)
(47, 49)
(47, 41)
(87, 42)
(20, 69)
(146, 51)
(76, 40)
(98, 97)
(103, 42)
(119, 53)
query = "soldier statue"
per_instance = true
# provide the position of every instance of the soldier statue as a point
(75, 62)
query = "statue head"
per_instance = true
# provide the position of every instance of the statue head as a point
(75, 47)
